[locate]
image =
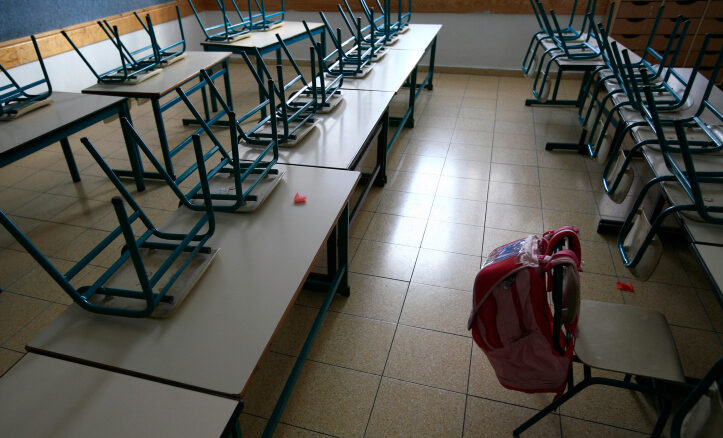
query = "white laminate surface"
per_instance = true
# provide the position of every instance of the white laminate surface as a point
(46, 397)
(338, 136)
(713, 258)
(66, 109)
(265, 39)
(215, 339)
(388, 74)
(418, 37)
(169, 78)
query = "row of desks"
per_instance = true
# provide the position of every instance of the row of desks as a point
(205, 355)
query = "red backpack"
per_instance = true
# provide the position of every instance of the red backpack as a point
(529, 348)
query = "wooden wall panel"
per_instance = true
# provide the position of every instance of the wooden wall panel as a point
(20, 51)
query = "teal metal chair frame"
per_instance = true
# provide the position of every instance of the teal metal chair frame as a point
(15, 97)
(291, 109)
(687, 178)
(352, 58)
(246, 175)
(262, 20)
(231, 31)
(714, 375)
(149, 294)
(164, 55)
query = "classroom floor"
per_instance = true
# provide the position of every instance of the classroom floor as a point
(394, 358)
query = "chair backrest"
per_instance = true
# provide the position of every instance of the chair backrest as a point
(13, 96)
(701, 413)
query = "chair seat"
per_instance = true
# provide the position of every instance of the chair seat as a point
(627, 339)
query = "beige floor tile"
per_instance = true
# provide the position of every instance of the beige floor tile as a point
(50, 238)
(560, 160)
(494, 238)
(26, 225)
(405, 204)
(29, 331)
(680, 305)
(578, 201)
(432, 133)
(13, 200)
(477, 113)
(483, 383)
(15, 265)
(436, 308)
(466, 169)
(586, 223)
(514, 218)
(564, 179)
(462, 188)
(370, 297)
(473, 124)
(477, 102)
(472, 137)
(438, 121)
(42, 207)
(371, 202)
(572, 427)
(446, 269)
(596, 258)
(421, 164)
(332, 400)
(430, 358)
(253, 427)
(290, 336)
(453, 237)
(8, 358)
(515, 174)
(712, 307)
(514, 141)
(414, 182)
(600, 288)
(15, 174)
(267, 383)
(514, 194)
(612, 406)
(404, 409)
(514, 127)
(460, 151)
(360, 224)
(520, 157)
(401, 230)
(39, 284)
(16, 311)
(490, 419)
(353, 342)
(698, 350)
(384, 260)
(461, 211)
(427, 148)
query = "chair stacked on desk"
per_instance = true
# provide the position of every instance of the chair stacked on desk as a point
(136, 65)
(16, 99)
(236, 25)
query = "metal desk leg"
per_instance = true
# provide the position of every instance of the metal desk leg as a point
(432, 53)
(132, 148)
(339, 284)
(382, 139)
(69, 159)
(162, 137)
(227, 85)
(412, 98)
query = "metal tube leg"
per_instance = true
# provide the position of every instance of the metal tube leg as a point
(132, 148)
(382, 151)
(227, 85)
(260, 69)
(65, 145)
(343, 251)
(162, 137)
(412, 98)
(432, 53)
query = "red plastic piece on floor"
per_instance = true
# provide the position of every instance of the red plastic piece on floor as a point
(625, 287)
(298, 199)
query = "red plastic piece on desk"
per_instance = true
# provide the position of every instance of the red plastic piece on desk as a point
(625, 287)
(298, 199)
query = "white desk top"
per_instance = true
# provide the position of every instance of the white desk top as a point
(338, 136)
(169, 78)
(215, 339)
(388, 74)
(713, 258)
(265, 39)
(66, 109)
(418, 37)
(43, 397)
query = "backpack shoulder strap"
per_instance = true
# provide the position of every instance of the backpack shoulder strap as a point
(553, 238)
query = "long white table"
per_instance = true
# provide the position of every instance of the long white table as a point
(47, 397)
(418, 37)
